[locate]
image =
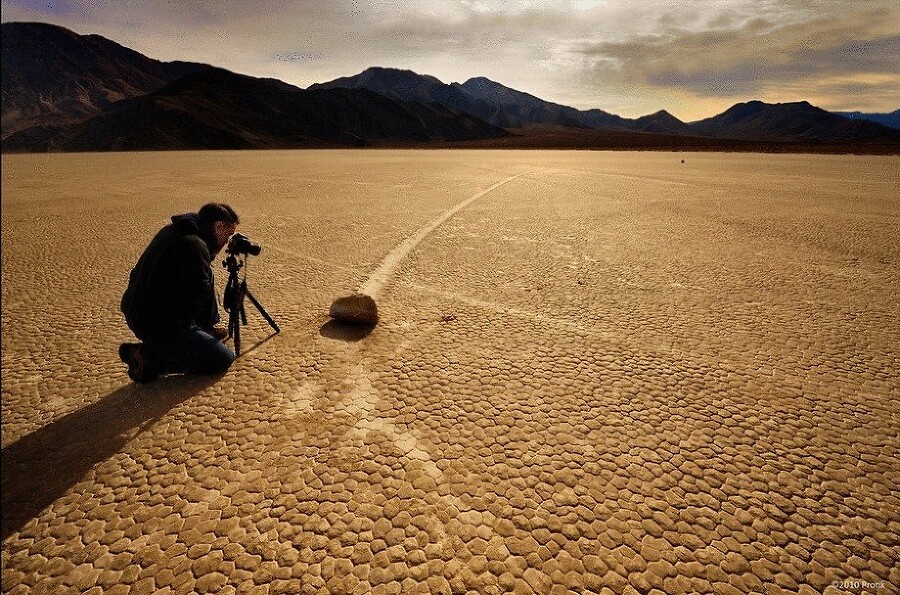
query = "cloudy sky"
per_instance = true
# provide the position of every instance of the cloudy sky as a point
(694, 58)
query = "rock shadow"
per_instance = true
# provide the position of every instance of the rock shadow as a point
(346, 331)
(40, 467)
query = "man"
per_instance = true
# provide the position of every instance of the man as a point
(170, 303)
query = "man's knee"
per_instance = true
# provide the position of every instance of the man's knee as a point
(212, 358)
(222, 360)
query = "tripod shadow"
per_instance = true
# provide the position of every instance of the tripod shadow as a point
(40, 467)
(258, 344)
(346, 331)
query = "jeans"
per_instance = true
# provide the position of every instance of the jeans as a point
(189, 351)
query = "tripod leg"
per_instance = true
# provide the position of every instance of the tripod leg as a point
(231, 324)
(242, 291)
(262, 311)
(234, 328)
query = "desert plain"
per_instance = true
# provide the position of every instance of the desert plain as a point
(595, 372)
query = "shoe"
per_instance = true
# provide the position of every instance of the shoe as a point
(219, 333)
(134, 355)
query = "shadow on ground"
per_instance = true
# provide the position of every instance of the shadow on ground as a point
(256, 345)
(346, 331)
(40, 467)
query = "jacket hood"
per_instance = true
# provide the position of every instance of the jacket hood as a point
(189, 224)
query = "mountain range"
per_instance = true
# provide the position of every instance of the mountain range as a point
(66, 92)
(891, 119)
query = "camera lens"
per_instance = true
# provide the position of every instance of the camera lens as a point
(241, 244)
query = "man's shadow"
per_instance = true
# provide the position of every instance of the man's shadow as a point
(40, 467)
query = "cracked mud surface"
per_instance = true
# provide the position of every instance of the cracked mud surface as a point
(594, 373)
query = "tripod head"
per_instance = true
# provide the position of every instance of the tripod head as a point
(233, 297)
(233, 263)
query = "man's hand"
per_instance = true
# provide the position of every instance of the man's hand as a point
(219, 332)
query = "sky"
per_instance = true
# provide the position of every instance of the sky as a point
(693, 58)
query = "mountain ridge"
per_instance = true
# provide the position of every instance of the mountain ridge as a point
(53, 76)
(64, 91)
(797, 121)
(410, 86)
(889, 119)
(512, 109)
(192, 113)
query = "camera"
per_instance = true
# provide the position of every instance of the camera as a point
(241, 244)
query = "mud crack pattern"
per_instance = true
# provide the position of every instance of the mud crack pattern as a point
(616, 373)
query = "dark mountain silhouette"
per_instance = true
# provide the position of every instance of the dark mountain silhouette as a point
(790, 122)
(526, 114)
(480, 97)
(218, 109)
(891, 119)
(601, 120)
(514, 109)
(523, 109)
(67, 92)
(52, 76)
(661, 122)
(410, 86)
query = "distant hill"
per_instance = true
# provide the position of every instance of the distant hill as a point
(891, 119)
(218, 109)
(67, 92)
(514, 109)
(410, 86)
(661, 122)
(511, 109)
(790, 122)
(520, 109)
(52, 76)
(480, 97)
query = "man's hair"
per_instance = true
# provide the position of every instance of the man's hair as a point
(217, 211)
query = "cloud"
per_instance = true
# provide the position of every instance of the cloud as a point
(755, 56)
(298, 57)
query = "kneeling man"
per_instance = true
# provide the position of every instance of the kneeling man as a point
(170, 303)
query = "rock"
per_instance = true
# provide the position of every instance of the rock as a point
(356, 308)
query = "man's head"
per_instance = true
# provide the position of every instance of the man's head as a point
(221, 219)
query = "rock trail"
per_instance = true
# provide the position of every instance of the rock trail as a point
(381, 275)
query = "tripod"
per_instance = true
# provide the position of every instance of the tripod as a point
(233, 300)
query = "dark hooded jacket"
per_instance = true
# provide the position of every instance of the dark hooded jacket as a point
(172, 285)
